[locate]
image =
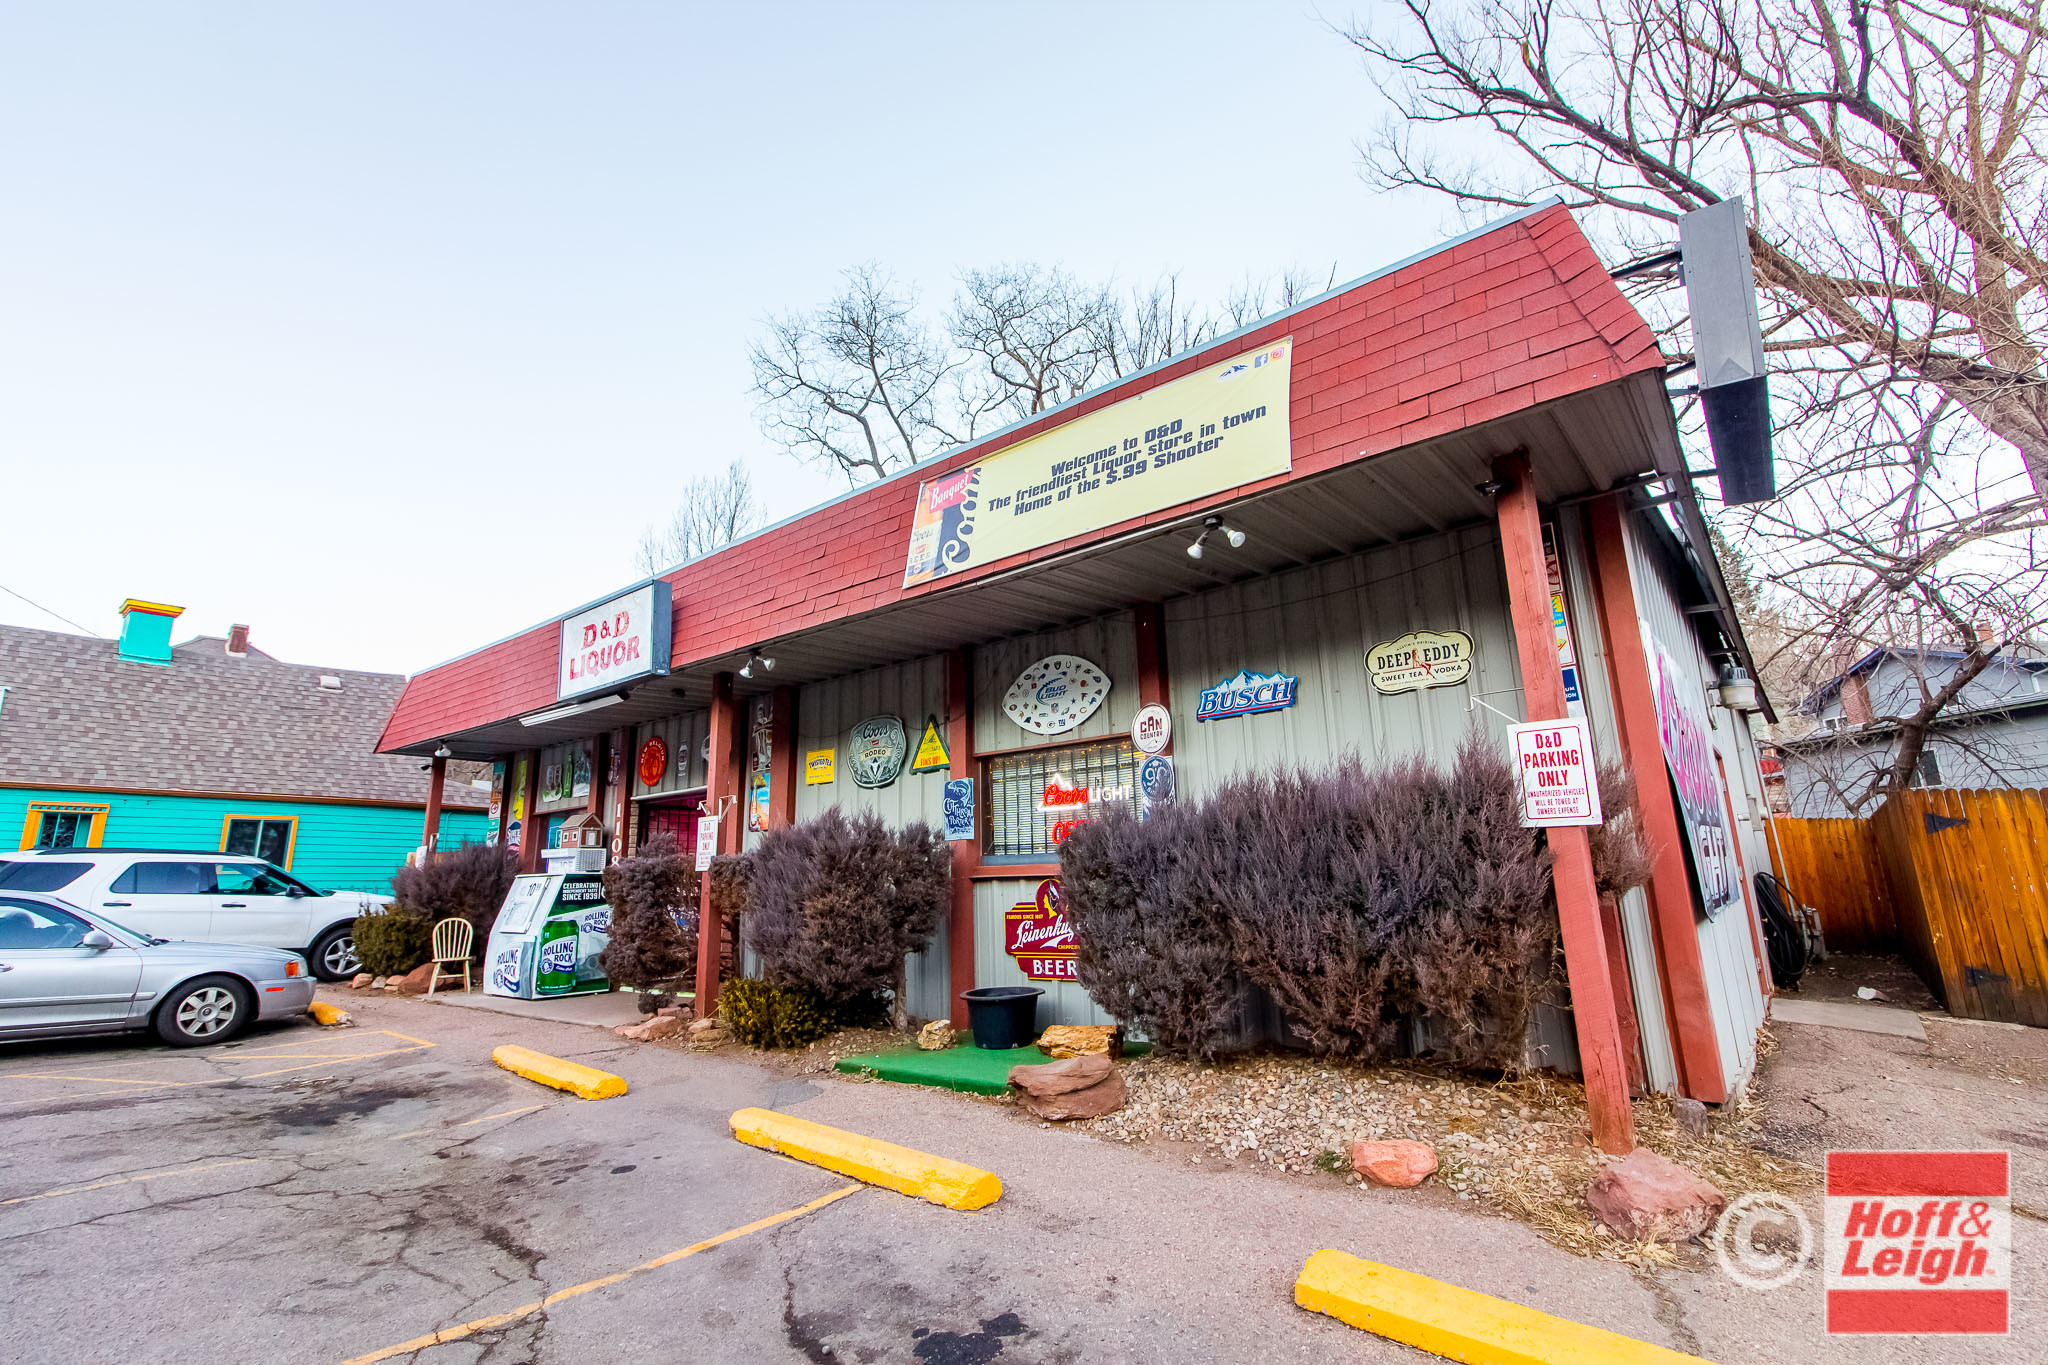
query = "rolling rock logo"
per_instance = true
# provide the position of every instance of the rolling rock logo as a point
(558, 955)
(505, 971)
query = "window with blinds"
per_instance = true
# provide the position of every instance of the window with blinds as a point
(1035, 798)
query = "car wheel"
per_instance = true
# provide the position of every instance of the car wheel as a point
(211, 1009)
(334, 954)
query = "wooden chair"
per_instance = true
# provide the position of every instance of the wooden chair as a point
(451, 944)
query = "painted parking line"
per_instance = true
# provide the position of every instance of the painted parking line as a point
(131, 1180)
(301, 1057)
(497, 1320)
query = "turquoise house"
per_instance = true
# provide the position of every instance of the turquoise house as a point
(213, 746)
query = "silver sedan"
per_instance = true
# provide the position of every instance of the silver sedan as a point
(64, 971)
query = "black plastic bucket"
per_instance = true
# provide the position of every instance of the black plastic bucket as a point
(1003, 1016)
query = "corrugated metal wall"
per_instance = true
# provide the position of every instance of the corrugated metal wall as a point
(1733, 990)
(825, 712)
(685, 734)
(1317, 623)
(1639, 940)
(1064, 1002)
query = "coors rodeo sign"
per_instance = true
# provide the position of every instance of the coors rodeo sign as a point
(1218, 428)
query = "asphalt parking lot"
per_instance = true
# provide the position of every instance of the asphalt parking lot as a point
(385, 1193)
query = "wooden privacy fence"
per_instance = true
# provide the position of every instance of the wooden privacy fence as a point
(1832, 865)
(1963, 879)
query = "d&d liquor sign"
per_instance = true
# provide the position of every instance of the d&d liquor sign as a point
(1037, 934)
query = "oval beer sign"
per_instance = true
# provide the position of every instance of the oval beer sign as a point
(1056, 694)
(1420, 659)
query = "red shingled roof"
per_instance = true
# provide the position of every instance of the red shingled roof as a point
(1508, 318)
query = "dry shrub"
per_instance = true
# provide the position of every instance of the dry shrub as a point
(653, 897)
(1358, 899)
(1149, 950)
(1621, 857)
(834, 905)
(469, 883)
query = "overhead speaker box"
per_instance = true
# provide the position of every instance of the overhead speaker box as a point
(1728, 343)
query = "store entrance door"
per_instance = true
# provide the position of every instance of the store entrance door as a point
(676, 818)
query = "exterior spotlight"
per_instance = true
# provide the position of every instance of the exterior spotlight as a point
(755, 659)
(1492, 488)
(444, 752)
(1231, 535)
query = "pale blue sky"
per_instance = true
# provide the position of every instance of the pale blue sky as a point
(385, 328)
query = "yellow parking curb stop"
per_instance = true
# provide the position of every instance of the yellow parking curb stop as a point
(1459, 1324)
(921, 1175)
(584, 1081)
(326, 1015)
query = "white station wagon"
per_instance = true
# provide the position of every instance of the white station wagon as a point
(201, 897)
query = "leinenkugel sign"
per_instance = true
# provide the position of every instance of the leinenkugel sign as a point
(1200, 434)
(615, 642)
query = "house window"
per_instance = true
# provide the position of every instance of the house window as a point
(1036, 798)
(1927, 769)
(58, 824)
(262, 837)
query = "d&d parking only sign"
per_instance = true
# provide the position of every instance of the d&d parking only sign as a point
(1554, 761)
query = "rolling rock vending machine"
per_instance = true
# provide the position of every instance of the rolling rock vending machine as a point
(547, 938)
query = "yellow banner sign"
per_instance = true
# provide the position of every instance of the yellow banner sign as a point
(1205, 432)
(818, 766)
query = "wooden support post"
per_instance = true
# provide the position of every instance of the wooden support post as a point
(782, 759)
(437, 778)
(621, 813)
(966, 852)
(1150, 629)
(721, 778)
(1578, 902)
(1694, 1045)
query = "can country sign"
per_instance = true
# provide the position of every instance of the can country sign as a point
(1038, 935)
(1215, 429)
(1919, 1243)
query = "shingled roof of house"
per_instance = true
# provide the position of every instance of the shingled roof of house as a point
(76, 715)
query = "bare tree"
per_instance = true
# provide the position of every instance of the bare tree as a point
(860, 384)
(1258, 298)
(1891, 153)
(1034, 336)
(866, 385)
(1889, 156)
(715, 510)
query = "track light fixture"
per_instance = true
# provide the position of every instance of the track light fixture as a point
(756, 659)
(1231, 535)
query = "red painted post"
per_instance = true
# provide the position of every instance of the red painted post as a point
(1578, 902)
(436, 779)
(1151, 647)
(1694, 1044)
(720, 776)
(966, 852)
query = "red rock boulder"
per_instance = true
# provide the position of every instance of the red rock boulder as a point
(1648, 1198)
(1076, 1088)
(415, 981)
(1398, 1164)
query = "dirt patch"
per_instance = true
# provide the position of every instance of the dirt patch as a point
(1516, 1147)
(1839, 977)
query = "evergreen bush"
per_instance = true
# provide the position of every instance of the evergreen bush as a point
(469, 883)
(834, 905)
(763, 1015)
(393, 941)
(653, 897)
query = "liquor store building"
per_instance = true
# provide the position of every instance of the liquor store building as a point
(1450, 494)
